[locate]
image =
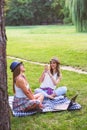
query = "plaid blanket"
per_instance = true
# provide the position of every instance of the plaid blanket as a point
(48, 104)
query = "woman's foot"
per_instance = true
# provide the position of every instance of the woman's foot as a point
(41, 106)
(50, 97)
(53, 95)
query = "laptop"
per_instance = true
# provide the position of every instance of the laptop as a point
(65, 106)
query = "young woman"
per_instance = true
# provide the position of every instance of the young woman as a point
(24, 99)
(49, 79)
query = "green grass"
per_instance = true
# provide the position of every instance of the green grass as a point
(40, 43)
(75, 120)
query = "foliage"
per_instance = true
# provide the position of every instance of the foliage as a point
(78, 10)
(27, 12)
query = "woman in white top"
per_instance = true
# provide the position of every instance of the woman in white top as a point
(24, 99)
(49, 79)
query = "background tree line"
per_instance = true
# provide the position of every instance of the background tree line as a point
(36, 12)
(32, 12)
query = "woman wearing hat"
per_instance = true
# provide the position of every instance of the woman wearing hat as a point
(24, 99)
(49, 79)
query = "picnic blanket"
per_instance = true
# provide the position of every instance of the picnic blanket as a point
(49, 106)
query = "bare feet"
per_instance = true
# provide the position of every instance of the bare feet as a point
(41, 106)
(53, 95)
(50, 97)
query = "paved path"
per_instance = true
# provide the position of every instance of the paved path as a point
(68, 68)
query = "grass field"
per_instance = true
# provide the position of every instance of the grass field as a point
(40, 43)
(75, 120)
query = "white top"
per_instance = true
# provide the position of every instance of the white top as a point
(47, 82)
(19, 92)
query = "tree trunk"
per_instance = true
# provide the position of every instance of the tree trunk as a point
(4, 107)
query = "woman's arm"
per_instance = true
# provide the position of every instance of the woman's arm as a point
(20, 82)
(55, 82)
(43, 74)
(42, 77)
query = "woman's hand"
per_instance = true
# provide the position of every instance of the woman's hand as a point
(46, 68)
(49, 74)
(43, 74)
(55, 81)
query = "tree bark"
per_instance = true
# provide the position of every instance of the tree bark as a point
(4, 107)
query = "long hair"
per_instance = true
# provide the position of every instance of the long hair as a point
(16, 72)
(57, 66)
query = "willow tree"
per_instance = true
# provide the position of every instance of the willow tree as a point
(78, 11)
(4, 109)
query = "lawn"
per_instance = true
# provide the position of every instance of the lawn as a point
(40, 43)
(75, 120)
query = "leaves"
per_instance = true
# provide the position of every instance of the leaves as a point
(78, 10)
(24, 12)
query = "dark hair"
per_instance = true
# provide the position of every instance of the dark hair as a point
(16, 72)
(57, 67)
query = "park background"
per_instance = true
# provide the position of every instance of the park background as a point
(38, 34)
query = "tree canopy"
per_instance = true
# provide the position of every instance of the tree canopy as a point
(78, 10)
(33, 12)
(27, 12)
